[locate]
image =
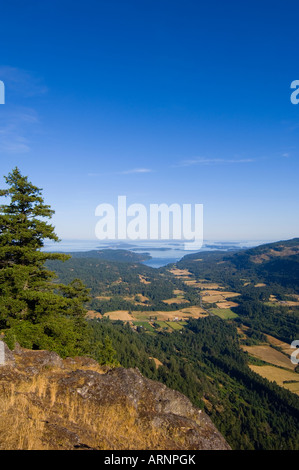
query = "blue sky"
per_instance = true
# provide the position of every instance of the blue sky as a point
(161, 101)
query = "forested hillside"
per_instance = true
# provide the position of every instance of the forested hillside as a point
(204, 361)
(213, 326)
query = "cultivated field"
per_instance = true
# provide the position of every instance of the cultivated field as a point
(207, 285)
(280, 376)
(122, 315)
(226, 304)
(173, 315)
(285, 303)
(270, 355)
(193, 283)
(285, 347)
(180, 272)
(224, 313)
(175, 300)
(214, 296)
(93, 314)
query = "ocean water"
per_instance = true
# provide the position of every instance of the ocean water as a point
(162, 252)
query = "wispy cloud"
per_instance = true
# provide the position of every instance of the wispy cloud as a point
(212, 161)
(136, 170)
(16, 124)
(125, 172)
(22, 82)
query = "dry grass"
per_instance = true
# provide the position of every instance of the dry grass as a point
(180, 272)
(182, 314)
(142, 298)
(40, 414)
(275, 374)
(295, 296)
(270, 355)
(207, 285)
(286, 251)
(156, 361)
(175, 300)
(194, 311)
(24, 423)
(193, 283)
(122, 315)
(285, 347)
(93, 314)
(141, 301)
(226, 304)
(178, 292)
(47, 403)
(285, 303)
(143, 280)
(214, 296)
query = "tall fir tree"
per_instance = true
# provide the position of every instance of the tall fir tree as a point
(35, 309)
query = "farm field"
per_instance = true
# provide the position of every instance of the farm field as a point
(182, 314)
(273, 301)
(192, 283)
(270, 355)
(122, 315)
(166, 325)
(207, 285)
(145, 325)
(285, 347)
(214, 297)
(176, 325)
(180, 272)
(226, 304)
(280, 376)
(175, 300)
(224, 313)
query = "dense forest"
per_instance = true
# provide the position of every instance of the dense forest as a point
(44, 305)
(119, 279)
(280, 275)
(204, 361)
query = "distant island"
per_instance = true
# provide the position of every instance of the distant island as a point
(124, 256)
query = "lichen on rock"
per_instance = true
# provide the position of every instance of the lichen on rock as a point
(50, 403)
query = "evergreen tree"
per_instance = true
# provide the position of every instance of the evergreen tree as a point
(35, 309)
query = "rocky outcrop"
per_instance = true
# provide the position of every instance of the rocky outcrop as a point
(50, 403)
